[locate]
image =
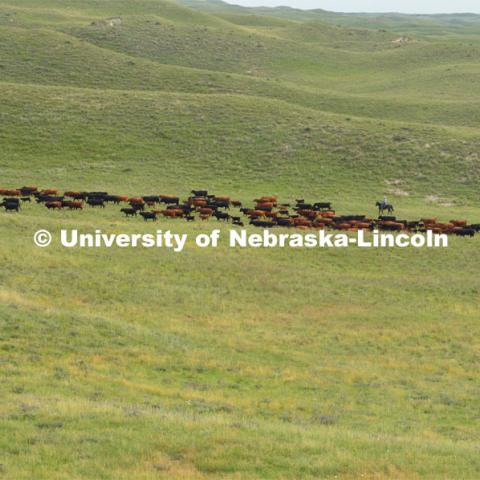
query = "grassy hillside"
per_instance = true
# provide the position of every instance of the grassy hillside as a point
(230, 363)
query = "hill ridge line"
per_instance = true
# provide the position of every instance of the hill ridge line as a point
(462, 130)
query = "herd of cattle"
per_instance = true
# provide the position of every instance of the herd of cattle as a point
(267, 211)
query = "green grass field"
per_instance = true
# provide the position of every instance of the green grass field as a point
(237, 363)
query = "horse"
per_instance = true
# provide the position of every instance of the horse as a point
(382, 207)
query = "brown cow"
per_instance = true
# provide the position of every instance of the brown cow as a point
(75, 205)
(197, 202)
(71, 194)
(256, 213)
(271, 214)
(10, 193)
(329, 214)
(206, 211)
(172, 213)
(363, 226)
(302, 222)
(49, 191)
(342, 226)
(271, 199)
(265, 205)
(53, 205)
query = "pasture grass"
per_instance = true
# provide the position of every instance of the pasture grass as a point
(234, 362)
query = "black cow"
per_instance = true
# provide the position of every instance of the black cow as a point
(322, 206)
(169, 200)
(49, 198)
(412, 225)
(187, 208)
(27, 191)
(222, 204)
(221, 216)
(465, 232)
(151, 198)
(304, 206)
(97, 194)
(111, 198)
(284, 222)
(199, 193)
(12, 200)
(149, 216)
(129, 212)
(137, 206)
(10, 207)
(262, 223)
(96, 202)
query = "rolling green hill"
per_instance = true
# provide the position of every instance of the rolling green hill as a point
(241, 364)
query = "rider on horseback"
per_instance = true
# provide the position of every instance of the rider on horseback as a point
(385, 202)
